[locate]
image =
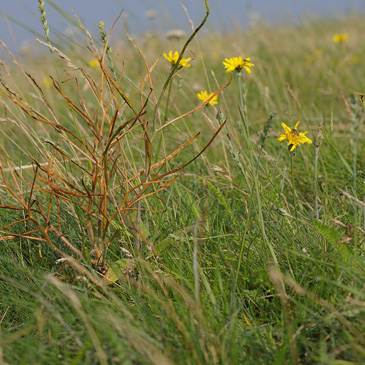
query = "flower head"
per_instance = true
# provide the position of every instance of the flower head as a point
(293, 137)
(93, 63)
(237, 63)
(340, 38)
(204, 96)
(174, 56)
(47, 82)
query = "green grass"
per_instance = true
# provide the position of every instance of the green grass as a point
(224, 265)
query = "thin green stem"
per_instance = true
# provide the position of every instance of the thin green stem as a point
(240, 90)
(176, 65)
(243, 102)
(316, 156)
(293, 185)
(245, 92)
(354, 174)
(259, 207)
(168, 100)
(196, 265)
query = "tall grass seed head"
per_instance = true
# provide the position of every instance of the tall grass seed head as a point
(293, 137)
(43, 18)
(102, 32)
(318, 138)
(173, 57)
(204, 96)
(267, 128)
(237, 64)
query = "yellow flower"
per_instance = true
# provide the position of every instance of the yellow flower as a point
(237, 63)
(204, 96)
(94, 63)
(47, 82)
(293, 137)
(340, 38)
(173, 57)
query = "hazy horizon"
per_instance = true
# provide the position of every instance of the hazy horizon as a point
(168, 14)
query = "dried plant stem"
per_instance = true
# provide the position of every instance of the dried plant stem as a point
(104, 40)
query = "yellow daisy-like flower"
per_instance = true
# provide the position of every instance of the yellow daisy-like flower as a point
(47, 82)
(174, 56)
(340, 38)
(204, 96)
(293, 137)
(94, 63)
(237, 63)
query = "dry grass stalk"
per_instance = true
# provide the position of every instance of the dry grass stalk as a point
(104, 184)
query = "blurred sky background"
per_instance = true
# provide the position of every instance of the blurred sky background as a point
(225, 14)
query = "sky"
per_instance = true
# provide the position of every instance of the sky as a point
(16, 15)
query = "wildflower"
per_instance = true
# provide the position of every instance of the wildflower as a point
(340, 38)
(47, 82)
(292, 136)
(204, 96)
(173, 57)
(237, 63)
(94, 63)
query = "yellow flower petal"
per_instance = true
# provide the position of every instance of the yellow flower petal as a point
(286, 128)
(304, 139)
(339, 38)
(173, 57)
(204, 96)
(94, 63)
(238, 64)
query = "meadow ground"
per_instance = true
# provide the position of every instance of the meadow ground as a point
(122, 243)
